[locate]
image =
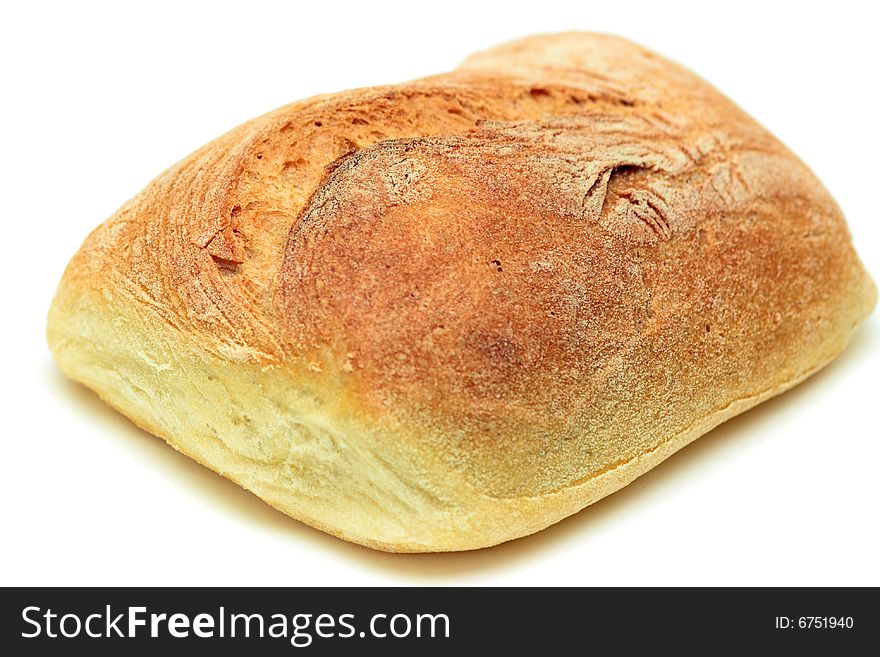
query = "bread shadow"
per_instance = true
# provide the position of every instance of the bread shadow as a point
(439, 566)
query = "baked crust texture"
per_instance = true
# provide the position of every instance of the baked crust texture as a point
(448, 313)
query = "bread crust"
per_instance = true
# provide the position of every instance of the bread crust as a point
(448, 313)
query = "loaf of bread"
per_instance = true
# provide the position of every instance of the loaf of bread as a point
(449, 313)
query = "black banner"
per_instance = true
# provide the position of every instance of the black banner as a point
(435, 620)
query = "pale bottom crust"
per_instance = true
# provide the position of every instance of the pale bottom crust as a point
(456, 518)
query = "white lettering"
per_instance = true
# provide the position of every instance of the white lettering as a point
(134, 621)
(24, 616)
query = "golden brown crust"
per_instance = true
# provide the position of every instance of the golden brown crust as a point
(518, 277)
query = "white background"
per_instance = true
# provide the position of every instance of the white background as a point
(98, 99)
